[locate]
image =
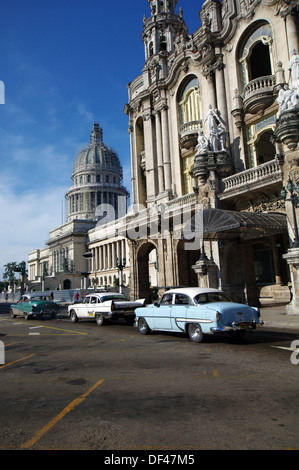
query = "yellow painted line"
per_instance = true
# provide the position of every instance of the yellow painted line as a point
(62, 329)
(51, 328)
(18, 360)
(57, 418)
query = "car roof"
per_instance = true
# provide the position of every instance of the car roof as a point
(192, 291)
(100, 294)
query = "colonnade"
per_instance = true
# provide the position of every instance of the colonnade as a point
(104, 257)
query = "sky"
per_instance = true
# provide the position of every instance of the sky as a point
(65, 64)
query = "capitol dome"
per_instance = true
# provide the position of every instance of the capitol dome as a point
(96, 155)
(97, 177)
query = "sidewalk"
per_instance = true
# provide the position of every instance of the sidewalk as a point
(275, 316)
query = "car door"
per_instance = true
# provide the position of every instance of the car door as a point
(92, 305)
(179, 311)
(82, 309)
(162, 314)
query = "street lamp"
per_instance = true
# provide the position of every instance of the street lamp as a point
(120, 266)
(291, 187)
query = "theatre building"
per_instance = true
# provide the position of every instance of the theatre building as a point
(213, 124)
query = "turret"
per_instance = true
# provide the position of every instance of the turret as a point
(162, 27)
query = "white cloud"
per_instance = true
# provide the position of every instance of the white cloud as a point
(82, 110)
(26, 219)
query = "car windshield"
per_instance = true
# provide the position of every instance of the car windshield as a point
(35, 298)
(113, 297)
(208, 297)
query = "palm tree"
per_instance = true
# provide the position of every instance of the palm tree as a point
(9, 273)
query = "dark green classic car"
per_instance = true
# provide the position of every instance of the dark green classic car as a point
(31, 305)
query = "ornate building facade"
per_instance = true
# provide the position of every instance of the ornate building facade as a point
(210, 130)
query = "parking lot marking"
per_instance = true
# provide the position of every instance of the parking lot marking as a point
(50, 327)
(18, 360)
(282, 347)
(57, 418)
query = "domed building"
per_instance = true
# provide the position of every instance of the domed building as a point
(97, 177)
(97, 190)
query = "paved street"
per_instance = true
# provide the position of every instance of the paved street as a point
(80, 386)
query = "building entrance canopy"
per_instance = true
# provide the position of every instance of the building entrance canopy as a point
(219, 224)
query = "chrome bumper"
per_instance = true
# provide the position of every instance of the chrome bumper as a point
(236, 326)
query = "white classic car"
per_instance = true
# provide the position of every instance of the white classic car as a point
(103, 306)
(197, 311)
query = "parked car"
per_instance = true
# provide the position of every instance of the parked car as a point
(197, 311)
(103, 306)
(32, 305)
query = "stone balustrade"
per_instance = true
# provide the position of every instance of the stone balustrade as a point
(262, 174)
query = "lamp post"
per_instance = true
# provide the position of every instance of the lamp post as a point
(294, 199)
(120, 266)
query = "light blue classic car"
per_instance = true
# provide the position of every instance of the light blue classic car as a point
(197, 311)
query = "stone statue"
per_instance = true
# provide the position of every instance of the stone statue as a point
(202, 144)
(287, 99)
(294, 70)
(217, 134)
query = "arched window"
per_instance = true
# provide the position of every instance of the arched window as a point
(189, 117)
(255, 53)
(163, 43)
(151, 49)
(189, 102)
(261, 148)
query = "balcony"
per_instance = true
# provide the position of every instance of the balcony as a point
(189, 134)
(259, 94)
(258, 177)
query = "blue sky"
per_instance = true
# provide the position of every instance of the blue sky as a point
(65, 64)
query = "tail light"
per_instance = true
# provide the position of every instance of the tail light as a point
(218, 317)
(113, 306)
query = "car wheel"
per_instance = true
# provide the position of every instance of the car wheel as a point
(27, 316)
(143, 326)
(195, 332)
(100, 319)
(12, 314)
(73, 316)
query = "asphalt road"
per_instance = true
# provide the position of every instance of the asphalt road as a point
(79, 386)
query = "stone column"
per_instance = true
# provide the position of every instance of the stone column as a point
(292, 258)
(166, 147)
(159, 153)
(220, 89)
(149, 155)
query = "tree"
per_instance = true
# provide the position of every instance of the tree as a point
(9, 272)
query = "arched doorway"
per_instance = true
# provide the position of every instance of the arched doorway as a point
(146, 265)
(66, 284)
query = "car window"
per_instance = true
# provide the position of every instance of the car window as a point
(93, 300)
(86, 300)
(181, 299)
(166, 299)
(208, 297)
